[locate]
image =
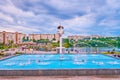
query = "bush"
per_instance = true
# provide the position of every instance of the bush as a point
(18, 53)
(1, 54)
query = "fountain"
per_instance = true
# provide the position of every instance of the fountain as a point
(10, 64)
(60, 32)
(98, 63)
(80, 59)
(28, 61)
(42, 61)
(59, 64)
(25, 63)
(113, 62)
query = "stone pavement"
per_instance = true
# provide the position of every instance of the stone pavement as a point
(116, 77)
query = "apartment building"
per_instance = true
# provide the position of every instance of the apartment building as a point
(15, 37)
(44, 36)
(78, 37)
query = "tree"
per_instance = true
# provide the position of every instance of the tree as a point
(55, 44)
(66, 43)
(1, 46)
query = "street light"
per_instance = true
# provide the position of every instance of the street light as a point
(96, 48)
(25, 48)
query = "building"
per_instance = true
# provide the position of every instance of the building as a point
(15, 37)
(1, 37)
(78, 37)
(95, 36)
(44, 36)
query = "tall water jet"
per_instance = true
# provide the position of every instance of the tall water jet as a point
(60, 32)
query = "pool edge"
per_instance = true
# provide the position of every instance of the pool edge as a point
(70, 72)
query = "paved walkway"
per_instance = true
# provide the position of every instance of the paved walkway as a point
(60, 77)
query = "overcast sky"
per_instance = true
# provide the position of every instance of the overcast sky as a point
(84, 17)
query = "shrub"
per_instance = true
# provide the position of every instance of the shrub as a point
(18, 53)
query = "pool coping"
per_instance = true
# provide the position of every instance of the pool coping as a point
(63, 72)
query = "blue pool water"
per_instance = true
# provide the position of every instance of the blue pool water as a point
(57, 61)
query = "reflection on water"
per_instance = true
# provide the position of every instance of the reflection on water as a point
(9, 64)
(113, 62)
(43, 63)
(98, 62)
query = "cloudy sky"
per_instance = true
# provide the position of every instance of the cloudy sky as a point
(84, 17)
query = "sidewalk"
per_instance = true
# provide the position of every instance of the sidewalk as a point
(109, 77)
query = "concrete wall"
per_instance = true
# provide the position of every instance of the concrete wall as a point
(72, 72)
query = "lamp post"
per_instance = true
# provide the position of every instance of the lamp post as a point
(60, 32)
(96, 48)
(25, 48)
(7, 40)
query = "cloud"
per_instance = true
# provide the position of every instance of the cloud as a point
(74, 6)
(113, 3)
(10, 8)
(6, 17)
(6, 29)
(81, 21)
(18, 28)
(109, 23)
(77, 16)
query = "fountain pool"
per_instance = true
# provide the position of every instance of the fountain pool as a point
(59, 64)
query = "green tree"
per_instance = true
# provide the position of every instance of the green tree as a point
(1, 46)
(66, 43)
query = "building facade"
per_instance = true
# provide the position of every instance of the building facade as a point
(44, 36)
(78, 37)
(14, 37)
(17, 38)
